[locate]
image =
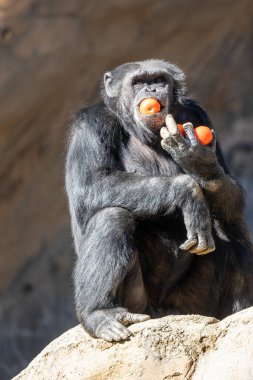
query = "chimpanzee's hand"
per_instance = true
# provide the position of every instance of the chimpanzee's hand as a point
(193, 157)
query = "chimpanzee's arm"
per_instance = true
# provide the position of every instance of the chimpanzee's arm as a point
(225, 196)
(205, 164)
(95, 180)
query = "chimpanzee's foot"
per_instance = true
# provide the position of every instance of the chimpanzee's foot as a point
(109, 324)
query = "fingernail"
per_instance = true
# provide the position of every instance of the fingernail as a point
(171, 124)
(188, 124)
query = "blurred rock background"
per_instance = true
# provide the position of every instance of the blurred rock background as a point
(52, 55)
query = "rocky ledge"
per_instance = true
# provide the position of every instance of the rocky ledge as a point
(175, 347)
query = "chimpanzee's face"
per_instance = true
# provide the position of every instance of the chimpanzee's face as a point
(128, 85)
(146, 84)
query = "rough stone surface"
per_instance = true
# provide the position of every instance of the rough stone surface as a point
(52, 54)
(175, 347)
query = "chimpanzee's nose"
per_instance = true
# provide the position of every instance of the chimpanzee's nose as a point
(151, 89)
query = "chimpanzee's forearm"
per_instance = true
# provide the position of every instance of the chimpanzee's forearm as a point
(225, 197)
(206, 165)
(142, 195)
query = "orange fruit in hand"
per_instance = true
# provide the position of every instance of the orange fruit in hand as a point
(203, 134)
(181, 129)
(149, 106)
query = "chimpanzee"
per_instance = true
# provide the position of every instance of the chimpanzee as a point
(157, 219)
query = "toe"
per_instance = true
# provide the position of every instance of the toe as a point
(105, 336)
(129, 318)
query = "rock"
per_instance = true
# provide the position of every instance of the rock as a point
(232, 356)
(174, 347)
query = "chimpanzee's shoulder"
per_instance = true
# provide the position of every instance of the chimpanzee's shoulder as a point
(93, 114)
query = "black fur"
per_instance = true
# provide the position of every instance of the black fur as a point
(133, 205)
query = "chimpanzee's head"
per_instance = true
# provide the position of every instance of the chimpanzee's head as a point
(126, 86)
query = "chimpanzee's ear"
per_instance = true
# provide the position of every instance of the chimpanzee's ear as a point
(179, 86)
(191, 111)
(110, 88)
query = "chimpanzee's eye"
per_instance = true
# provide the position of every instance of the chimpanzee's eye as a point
(160, 81)
(137, 82)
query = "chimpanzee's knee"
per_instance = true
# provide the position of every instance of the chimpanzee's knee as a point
(114, 222)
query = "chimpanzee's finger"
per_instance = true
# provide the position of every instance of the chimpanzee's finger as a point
(164, 133)
(174, 131)
(169, 144)
(190, 134)
(208, 250)
(212, 144)
(189, 243)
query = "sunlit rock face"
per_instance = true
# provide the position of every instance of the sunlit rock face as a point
(175, 347)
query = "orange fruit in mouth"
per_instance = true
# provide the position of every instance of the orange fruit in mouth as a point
(149, 106)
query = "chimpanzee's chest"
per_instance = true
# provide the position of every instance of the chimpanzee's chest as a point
(142, 159)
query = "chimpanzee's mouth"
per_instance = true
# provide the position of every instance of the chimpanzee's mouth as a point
(162, 108)
(159, 108)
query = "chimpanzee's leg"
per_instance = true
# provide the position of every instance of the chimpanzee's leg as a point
(237, 289)
(106, 254)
